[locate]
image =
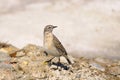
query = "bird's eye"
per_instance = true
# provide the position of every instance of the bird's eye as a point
(49, 27)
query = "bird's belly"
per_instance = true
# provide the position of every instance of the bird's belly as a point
(49, 46)
(53, 52)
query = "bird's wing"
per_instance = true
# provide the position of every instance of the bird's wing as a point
(59, 46)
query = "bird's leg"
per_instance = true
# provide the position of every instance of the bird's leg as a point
(46, 53)
(49, 61)
(58, 62)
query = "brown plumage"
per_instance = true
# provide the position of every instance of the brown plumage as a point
(52, 45)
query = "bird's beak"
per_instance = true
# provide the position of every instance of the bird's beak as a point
(54, 26)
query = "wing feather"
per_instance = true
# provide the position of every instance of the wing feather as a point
(59, 46)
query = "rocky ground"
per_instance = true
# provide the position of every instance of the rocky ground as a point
(29, 63)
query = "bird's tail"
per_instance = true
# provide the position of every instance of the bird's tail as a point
(68, 59)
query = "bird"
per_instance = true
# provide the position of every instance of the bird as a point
(52, 45)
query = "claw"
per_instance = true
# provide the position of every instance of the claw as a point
(48, 63)
(45, 62)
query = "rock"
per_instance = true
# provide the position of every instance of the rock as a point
(5, 65)
(4, 57)
(29, 64)
(97, 66)
(6, 71)
(9, 49)
(2, 45)
(20, 53)
(32, 48)
(6, 74)
(114, 70)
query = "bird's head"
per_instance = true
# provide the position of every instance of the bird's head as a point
(49, 28)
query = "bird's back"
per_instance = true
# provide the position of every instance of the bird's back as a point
(59, 46)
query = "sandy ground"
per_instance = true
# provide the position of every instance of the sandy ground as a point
(85, 27)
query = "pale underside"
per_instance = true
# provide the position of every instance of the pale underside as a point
(49, 45)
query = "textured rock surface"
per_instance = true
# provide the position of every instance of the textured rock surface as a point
(32, 66)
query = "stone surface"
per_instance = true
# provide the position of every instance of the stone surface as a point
(6, 74)
(8, 48)
(32, 66)
(4, 57)
(114, 70)
(97, 66)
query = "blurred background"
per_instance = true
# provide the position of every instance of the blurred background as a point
(87, 28)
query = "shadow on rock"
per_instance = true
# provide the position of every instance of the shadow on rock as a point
(60, 65)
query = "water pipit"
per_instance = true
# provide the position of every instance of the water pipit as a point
(52, 45)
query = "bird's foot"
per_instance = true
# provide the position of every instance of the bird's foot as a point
(61, 66)
(48, 62)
